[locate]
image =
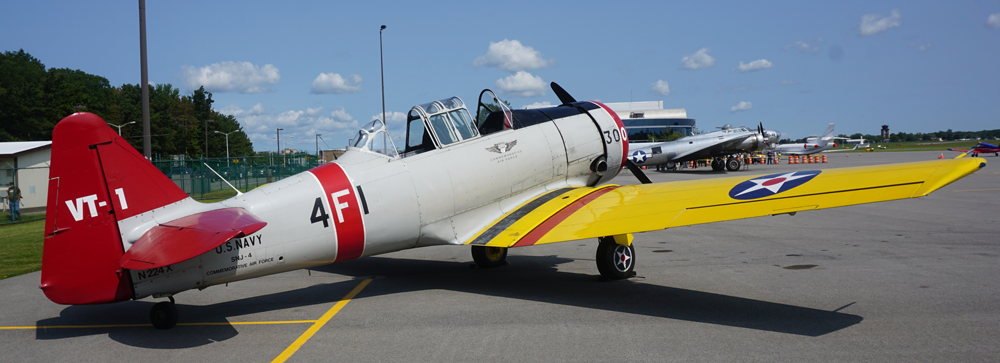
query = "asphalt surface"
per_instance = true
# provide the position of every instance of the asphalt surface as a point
(909, 281)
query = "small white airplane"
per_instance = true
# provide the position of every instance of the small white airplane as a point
(118, 229)
(813, 144)
(718, 145)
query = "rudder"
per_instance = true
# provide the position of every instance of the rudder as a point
(95, 180)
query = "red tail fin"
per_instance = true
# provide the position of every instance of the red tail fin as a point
(95, 180)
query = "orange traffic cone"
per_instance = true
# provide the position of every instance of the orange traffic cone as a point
(942, 156)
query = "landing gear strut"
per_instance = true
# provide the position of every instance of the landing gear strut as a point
(486, 257)
(615, 261)
(163, 315)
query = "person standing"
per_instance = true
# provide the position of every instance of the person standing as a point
(14, 198)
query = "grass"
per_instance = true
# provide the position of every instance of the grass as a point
(21, 248)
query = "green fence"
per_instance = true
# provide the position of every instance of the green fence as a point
(244, 173)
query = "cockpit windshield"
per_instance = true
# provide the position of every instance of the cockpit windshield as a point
(448, 120)
(375, 138)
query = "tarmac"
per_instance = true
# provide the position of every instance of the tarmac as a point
(902, 281)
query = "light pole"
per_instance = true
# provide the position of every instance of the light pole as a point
(381, 68)
(317, 148)
(279, 148)
(120, 127)
(206, 136)
(227, 144)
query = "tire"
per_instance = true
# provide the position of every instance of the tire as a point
(487, 257)
(718, 164)
(671, 166)
(615, 261)
(733, 164)
(163, 315)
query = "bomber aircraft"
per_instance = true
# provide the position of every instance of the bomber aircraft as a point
(813, 144)
(117, 229)
(716, 145)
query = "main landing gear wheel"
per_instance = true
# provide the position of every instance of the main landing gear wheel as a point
(671, 165)
(733, 164)
(615, 261)
(718, 164)
(486, 257)
(163, 315)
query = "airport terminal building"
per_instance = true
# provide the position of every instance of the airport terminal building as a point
(647, 121)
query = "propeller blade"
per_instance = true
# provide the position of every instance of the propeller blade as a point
(637, 171)
(564, 96)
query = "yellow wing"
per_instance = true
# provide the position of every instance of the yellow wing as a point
(577, 213)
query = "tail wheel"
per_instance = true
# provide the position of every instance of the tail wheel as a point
(163, 315)
(615, 261)
(733, 164)
(489, 256)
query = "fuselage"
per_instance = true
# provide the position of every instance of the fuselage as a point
(721, 143)
(368, 203)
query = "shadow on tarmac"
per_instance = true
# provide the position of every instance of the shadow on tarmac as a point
(533, 278)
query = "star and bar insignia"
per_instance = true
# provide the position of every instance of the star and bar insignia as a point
(769, 185)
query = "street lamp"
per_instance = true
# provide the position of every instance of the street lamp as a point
(317, 145)
(381, 68)
(120, 127)
(279, 147)
(206, 136)
(227, 144)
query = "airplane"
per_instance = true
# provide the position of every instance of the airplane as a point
(717, 145)
(981, 148)
(118, 229)
(812, 145)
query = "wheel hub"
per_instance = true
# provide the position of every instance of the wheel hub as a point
(623, 258)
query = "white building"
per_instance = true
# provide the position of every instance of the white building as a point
(27, 163)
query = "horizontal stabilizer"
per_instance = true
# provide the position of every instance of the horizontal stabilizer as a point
(187, 237)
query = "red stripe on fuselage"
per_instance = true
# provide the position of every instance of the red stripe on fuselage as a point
(621, 128)
(553, 221)
(345, 210)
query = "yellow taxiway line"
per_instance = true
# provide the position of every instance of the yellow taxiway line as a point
(319, 323)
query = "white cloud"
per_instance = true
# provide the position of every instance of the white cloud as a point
(341, 115)
(299, 126)
(805, 47)
(512, 56)
(242, 77)
(755, 65)
(313, 111)
(334, 83)
(699, 59)
(233, 110)
(742, 106)
(922, 47)
(542, 104)
(872, 24)
(993, 21)
(661, 88)
(521, 84)
(788, 83)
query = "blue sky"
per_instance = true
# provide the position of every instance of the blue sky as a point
(313, 67)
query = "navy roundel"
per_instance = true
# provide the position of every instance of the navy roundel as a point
(769, 185)
(638, 157)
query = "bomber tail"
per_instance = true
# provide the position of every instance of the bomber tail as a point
(95, 180)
